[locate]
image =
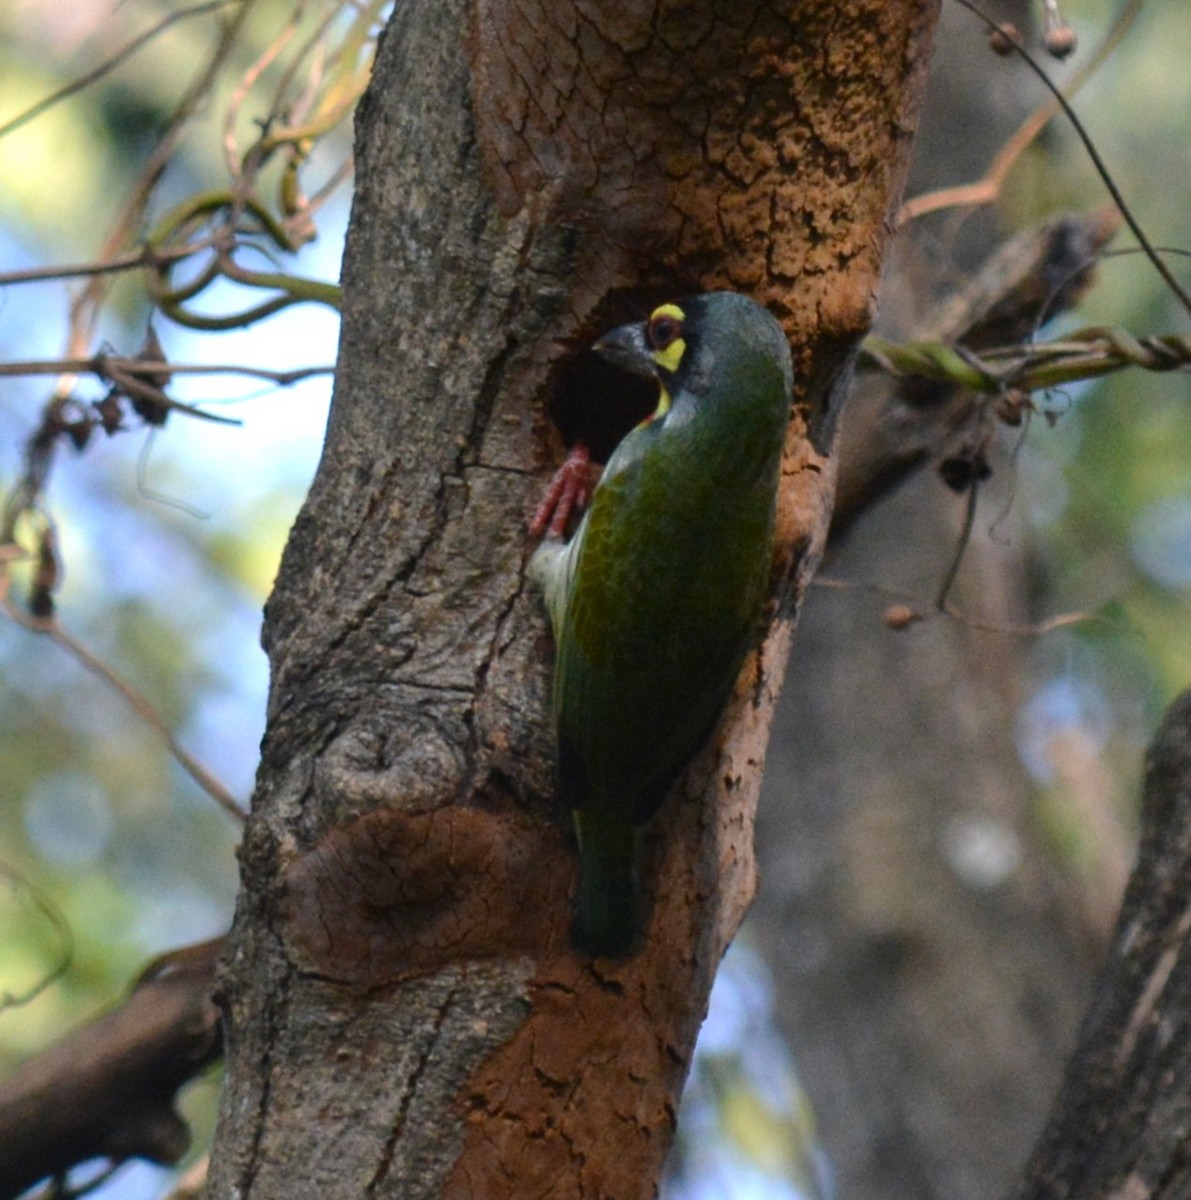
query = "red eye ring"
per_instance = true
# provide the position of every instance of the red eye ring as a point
(663, 331)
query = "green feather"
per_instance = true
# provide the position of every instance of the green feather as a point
(655, 601)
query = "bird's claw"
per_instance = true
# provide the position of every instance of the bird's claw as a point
(569, 491)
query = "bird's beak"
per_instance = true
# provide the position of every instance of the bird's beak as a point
(626, 347)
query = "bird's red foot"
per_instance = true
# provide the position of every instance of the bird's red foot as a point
(569, 491)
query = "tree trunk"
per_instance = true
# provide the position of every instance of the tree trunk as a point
(1121, 1122)
(405, 1013)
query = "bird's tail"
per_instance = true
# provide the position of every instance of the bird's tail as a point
(609, 893)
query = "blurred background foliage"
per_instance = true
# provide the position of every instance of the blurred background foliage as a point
(1106, 493)
(169, 538)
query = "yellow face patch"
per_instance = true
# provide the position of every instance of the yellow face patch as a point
(665, 336)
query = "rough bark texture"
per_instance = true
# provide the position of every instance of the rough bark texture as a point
(405, 1014)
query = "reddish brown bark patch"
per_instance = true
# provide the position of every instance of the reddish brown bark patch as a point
(544, 1101)
(394, 894)
(749, 145)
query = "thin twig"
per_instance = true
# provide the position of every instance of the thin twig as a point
(314, 42)
(61, 926)
(921, 610)
(141, 706)
(318, 198)
(85, 308)
(961, 547)
(231, 150)
(85, 81)
(101, 364)
(986, 189)
(132, 261)
(1097, 162)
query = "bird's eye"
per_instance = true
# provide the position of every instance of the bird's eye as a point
(663, 331)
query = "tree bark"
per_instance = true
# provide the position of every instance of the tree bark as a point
(405, 1014)
(1121, 1123)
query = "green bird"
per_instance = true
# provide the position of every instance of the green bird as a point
(656, 599)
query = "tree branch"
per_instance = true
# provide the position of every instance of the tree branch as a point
(102, 365)
(892, 431)
(108, 1091)
(987, 189)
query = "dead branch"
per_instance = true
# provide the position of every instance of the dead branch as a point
(133, 260)
(892, 431)
(87, 305)
(108, 1091)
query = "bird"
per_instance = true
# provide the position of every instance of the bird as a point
(656, 599)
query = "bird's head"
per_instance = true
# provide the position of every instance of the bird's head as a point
(702, 343)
